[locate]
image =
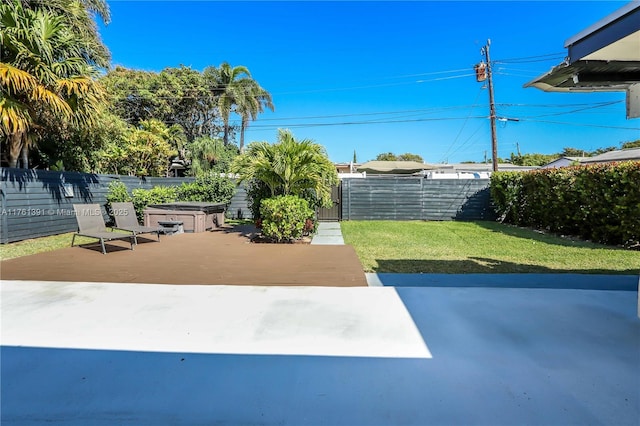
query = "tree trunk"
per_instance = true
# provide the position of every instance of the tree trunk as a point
(15, 148)
(24, 154)
(242, 129)
(225, 137)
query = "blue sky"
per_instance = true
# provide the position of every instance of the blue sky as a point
(375, 77)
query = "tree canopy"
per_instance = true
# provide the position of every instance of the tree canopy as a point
(49, 56)
(390, 156)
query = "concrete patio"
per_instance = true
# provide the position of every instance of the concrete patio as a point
(100, 353)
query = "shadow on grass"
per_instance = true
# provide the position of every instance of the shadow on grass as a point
(547, 238)
(479, 265)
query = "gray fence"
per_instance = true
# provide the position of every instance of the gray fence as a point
(409, 198)
(36, 203)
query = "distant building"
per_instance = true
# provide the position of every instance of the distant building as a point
(564, 162)
(630, 154)
(394, 167)
(349, 170)
(435, 171)
(472, 170)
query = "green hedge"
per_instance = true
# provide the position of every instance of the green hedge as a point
(598, 202)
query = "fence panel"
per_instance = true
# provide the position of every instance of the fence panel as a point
(38, 203)
(404, 198)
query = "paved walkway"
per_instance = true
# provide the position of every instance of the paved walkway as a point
(328, 233)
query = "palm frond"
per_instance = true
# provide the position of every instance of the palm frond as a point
(14, 117)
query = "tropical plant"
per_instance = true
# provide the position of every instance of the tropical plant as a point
(253, 102)
(75, 146)
(210, 154)
(48, 57)
(289, 167)
(230, 92)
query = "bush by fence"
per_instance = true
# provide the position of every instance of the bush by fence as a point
(598, 202)
(38, 203)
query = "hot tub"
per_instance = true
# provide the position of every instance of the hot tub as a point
(196, 216)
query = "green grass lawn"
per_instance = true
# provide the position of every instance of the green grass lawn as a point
(478, 247)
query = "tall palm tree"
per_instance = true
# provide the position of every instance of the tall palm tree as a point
(253, 102)
(289, 167)
(46, 71)
(230, 92)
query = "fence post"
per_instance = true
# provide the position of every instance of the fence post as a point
(4, 238)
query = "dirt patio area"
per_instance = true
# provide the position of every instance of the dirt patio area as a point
(223, 256)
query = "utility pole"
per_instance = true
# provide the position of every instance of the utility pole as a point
(483, 72)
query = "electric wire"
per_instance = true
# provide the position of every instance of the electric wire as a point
(455, 140)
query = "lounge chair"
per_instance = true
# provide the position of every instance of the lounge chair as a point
(91, 224)
(126, 220)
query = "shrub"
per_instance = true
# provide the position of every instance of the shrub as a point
(209, 187)
(285, 218)
(118, 192)
(598, 202)
(256, 192)
(156, 195)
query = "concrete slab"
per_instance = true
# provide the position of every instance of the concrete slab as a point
(332, 240)
(498, 356)
(322, 226)
(208, 319)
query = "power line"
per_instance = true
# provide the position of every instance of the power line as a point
(455, 140)
(350, 123)
(602, 105)
(582, 124)
(536, 58)
(427, 110)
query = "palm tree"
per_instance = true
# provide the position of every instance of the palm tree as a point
(289, 167)
(205, 152)
(46, 71)
(230, 92)
(253, 102)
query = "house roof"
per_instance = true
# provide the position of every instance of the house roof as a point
(482, 167)
(604, 57)
(620, 155)
(394, 167)
(562, 161)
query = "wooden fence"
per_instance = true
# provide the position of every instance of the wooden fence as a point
(409, 198)
(35, 203)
